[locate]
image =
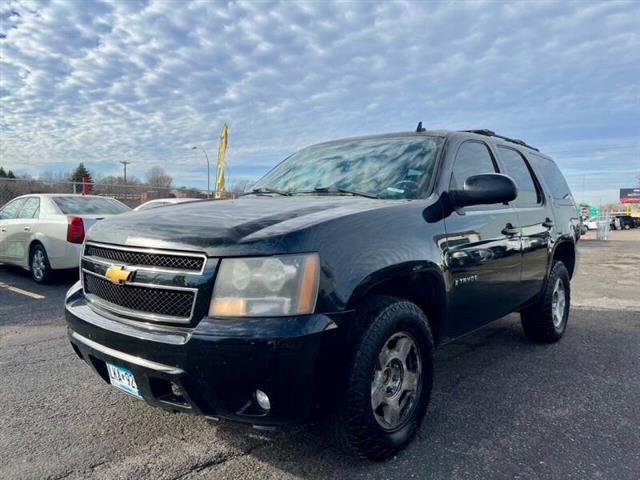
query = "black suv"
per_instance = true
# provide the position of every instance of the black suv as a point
(326, 288)
(626, 222)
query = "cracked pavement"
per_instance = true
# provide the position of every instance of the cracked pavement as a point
(502, 407)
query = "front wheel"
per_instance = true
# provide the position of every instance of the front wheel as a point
(546, 320)
(388, 383)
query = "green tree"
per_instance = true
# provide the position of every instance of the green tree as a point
(10, 174)
(78, 173)
(3, 174)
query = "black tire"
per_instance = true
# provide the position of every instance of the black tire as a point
(538, 321)
(39, 264)
(354, 426)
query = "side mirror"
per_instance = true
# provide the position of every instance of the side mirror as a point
(485, 189)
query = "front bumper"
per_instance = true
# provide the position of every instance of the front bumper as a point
(215, 368)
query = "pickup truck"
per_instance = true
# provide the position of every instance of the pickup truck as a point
(324, 290)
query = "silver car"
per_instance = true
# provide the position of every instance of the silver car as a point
(45, 232)
(162, 202)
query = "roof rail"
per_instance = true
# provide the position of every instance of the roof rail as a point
(490, 133)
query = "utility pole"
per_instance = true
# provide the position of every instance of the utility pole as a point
(208, 168)
(125, 163)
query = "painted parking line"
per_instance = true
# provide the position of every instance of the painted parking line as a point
(26, 293)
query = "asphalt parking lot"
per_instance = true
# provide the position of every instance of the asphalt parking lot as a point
(501, 408)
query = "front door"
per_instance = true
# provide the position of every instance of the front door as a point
(23, 230)
(8, 223)
(483, 250)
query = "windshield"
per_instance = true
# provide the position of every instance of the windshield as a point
(387, 168)
(79, 205)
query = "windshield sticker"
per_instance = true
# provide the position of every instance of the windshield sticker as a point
(395, 190)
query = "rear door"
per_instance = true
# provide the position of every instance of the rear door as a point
(483, 249)
(535, 219)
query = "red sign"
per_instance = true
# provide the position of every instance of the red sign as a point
(583, 210)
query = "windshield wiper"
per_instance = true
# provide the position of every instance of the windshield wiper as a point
(266, 190)
(334, 190)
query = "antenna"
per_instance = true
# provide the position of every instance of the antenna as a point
(420, 128)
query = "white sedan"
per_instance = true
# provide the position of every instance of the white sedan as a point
(162, 202)
(591, 223)
(45, 232)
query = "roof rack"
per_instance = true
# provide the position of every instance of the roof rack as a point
(490, 133)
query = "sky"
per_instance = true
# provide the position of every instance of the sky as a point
(145, 80)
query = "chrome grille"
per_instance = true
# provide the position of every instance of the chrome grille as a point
(139, 257)
(163, 302)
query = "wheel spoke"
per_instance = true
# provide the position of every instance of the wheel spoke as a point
(403, 347)
(410, 383)
(384, 356)
(377, 391)
(392, 412)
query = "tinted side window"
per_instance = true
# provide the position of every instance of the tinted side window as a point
(516, 167)
(551, 175)
(30, 208)
(11, 209)
(473, 158)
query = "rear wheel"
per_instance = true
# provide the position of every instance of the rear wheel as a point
(388, 382)
(546, 320)
(39, 264)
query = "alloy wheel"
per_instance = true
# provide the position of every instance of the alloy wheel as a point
(38, 265)
(558, 303)
(395, 381)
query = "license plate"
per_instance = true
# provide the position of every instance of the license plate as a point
(123, 379)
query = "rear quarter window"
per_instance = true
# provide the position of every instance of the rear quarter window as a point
(552, 177)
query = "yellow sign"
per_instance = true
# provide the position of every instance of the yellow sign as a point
(220, 169)
(117, 275)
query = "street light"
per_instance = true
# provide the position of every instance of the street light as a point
(208, 168)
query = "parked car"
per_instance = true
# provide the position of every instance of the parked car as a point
(163, 202)
(44, 232)
(327, 286)
(583, 227)
(591, 223)
(626, 222)
(636, 222)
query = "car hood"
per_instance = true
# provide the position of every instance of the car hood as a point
(213, 224)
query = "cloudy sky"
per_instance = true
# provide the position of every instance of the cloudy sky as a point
(144, 80)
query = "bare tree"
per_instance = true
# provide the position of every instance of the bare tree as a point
(158, 178)
(240, 186)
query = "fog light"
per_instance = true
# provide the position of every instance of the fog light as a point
(176, 390)
(263, 400)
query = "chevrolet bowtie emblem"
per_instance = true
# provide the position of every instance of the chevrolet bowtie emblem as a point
(117, 274)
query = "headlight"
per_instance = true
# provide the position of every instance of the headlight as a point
(266, 286)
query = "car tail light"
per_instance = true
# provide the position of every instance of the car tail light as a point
(75, 230)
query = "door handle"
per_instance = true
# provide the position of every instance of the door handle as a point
(509, 230)
(27, 229)
(3, 229)
(547, 223)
